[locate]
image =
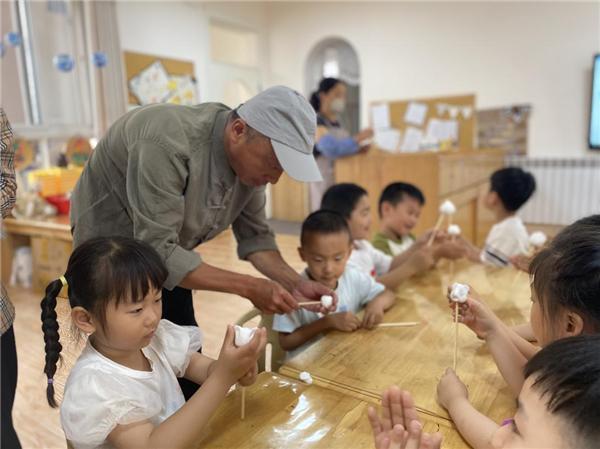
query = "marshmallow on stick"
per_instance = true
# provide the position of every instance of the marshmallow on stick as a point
(243, 335)
(326, 301)
(458, 294)
(536, 241)
(454, 230)
(447, 209)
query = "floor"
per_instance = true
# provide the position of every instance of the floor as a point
(36, 423)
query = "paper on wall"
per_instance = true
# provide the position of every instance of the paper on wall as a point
(415, 113)
(412, 139)
(466, 112)
(441, 130)
(151, 85)
(453, 111)
(380, 116)
(182, 90)
(387, 139)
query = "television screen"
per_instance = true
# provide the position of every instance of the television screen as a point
(594, 137)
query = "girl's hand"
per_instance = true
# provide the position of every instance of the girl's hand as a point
(450, 389)
(475, 314)
(250, 377)
(373, 315)
(234, 362)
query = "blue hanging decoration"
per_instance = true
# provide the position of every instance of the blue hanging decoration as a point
(63, 62)
(2, 49)
(13, 38)
(99, 58)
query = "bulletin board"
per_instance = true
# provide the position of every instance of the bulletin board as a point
(156, 79)
(456, 111)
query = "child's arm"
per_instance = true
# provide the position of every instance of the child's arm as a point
(184, 428)
(474, 426)
(420, 260)
(375, 309)
(507, 355)
(343, 321)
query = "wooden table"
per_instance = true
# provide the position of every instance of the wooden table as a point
(284, 413)
(364, 363)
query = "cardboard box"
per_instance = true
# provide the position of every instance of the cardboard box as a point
(50, 259)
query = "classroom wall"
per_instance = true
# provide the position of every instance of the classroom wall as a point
(180, 30)
(526, 52)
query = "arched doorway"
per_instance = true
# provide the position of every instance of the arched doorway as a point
(335, 57)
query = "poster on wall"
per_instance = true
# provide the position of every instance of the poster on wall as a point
(155, 79)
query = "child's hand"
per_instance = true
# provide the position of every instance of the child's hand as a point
(234, 362)
(250, 377)
(399, 413)
(450, 389)
(521, 262)
(343, 321)
(422, 259)
(373, 315)
(477, 316)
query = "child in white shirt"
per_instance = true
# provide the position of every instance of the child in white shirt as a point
(325, 247)
(510, 188)
(123, 390)
(352, 203)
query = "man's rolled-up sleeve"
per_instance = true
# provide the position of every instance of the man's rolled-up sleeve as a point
(250, 228)
(156, 180)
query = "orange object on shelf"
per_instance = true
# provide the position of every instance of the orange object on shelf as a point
(55, 181)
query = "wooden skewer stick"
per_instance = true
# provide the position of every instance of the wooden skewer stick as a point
(243, 416)
(309, 303)
(399, 324)
(435, 230)
(455, 335)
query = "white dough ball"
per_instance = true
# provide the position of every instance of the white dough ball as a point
(448, 208)
(454, 229)
(459, 292)
(537, 239)
(243, 335)
(326, 301)
(306, 377)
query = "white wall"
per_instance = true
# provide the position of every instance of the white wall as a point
(537, 53)
(180, 30)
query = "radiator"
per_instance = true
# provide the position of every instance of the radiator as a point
(567, 189)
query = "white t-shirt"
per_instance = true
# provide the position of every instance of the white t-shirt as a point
(369, 259)
(101, 394)
(506, 239)
(354, 291)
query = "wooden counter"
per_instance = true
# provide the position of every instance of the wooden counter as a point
(364, 363)
(284, 413)
(462, 177)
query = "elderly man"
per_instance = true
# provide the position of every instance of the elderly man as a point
(177, 176)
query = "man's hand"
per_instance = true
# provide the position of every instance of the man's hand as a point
(270, 297)
(307, 290)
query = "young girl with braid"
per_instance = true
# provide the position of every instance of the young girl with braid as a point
(123, 390)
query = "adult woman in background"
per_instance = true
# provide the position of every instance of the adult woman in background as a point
(332, 140)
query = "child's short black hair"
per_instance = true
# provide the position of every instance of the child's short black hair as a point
(394, 193)
(514, 186)
(342, 198)
(566, 274)
(323, 222)
(567, 377)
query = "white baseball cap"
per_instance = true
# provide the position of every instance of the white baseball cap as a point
(285, 117)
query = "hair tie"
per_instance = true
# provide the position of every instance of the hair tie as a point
(50, 380)
(63, 281)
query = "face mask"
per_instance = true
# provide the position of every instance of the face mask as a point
(338, 105)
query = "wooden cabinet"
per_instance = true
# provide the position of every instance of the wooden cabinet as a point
(461, 177)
